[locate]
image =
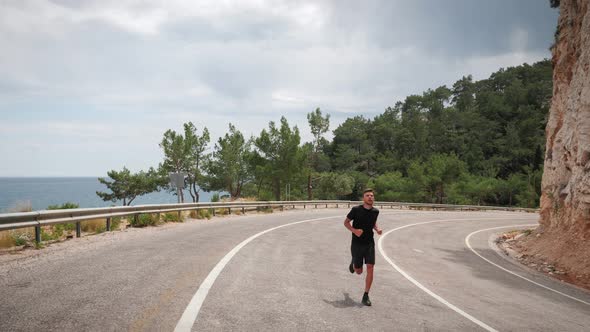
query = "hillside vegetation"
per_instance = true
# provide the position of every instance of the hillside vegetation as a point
(476, 142)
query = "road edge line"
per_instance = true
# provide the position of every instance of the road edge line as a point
(422, 287)
(511, 272)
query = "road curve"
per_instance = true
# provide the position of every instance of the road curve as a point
(289, 275)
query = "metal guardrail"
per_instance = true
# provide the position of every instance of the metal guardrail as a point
(38, 219)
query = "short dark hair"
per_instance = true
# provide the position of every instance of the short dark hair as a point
(368, 190)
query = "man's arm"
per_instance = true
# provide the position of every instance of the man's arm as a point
(357, 232)
(377, 229)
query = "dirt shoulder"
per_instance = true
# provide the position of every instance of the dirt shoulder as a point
(550, 254)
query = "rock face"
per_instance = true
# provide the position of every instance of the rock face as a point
(565, 202)
(564, 235)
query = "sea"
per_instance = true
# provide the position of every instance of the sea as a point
(39, 193)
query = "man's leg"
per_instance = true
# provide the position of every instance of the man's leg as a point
(370, 262)
(357, 258)
(369, 279)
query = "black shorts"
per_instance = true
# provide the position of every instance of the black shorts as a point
(362, 253)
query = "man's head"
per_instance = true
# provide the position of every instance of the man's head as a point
(368, 196)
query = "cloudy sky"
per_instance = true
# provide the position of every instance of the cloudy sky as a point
(89, 86)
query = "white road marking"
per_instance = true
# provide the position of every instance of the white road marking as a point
(418, 251)
(511, 272)
(422, 287)
(188, 318)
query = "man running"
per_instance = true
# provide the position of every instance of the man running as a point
(364, 219)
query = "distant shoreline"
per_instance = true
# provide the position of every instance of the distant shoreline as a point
(50, 177)
(41, 192)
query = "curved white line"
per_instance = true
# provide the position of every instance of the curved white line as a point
(188, 318)
(422, 287)
(513, 273)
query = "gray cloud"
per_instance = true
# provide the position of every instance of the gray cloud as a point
(148, 67)
(454, 27)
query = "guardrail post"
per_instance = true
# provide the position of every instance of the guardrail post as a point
(108, 224)
(179, 215)
(228, 210)
(348, 204)
(282, 208)
(337, 205)
(78, 229)
(303, 206)
(243, 210)
(326, 206)
(136, 218)
(38, 233)
(214, 212)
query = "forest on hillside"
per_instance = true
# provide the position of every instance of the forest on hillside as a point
(476, 142)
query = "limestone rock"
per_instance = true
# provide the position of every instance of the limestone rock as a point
(565, 202)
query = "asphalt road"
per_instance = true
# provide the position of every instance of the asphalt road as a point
(246, 273)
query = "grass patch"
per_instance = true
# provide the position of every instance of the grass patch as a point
(16, 237)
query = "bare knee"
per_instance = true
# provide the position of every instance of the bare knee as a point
(358, 271)
(370, 268)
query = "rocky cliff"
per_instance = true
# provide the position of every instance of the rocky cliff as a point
(565, 203)
(564, 235)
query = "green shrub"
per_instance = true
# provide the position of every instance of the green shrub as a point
(58, 230)
(201, 214)
(52, 233)
(143, 220)
(46, 236)
(64, 206)
(172, 217)
(19, 241)
(265, 209)
(19, 238)
(215, 197)
(221, 212)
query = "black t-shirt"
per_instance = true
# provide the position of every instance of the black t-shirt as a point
(363, 219)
